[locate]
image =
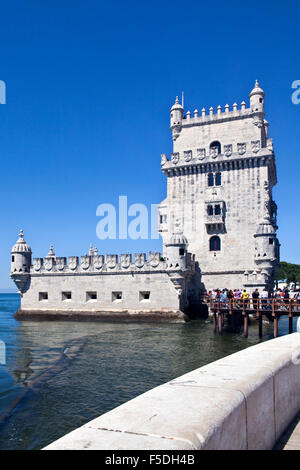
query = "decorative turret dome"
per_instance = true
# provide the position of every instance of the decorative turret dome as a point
(266, 228)
(51, 253)
(177, 239)
(176, 105)
(21, 246)
(257, 90)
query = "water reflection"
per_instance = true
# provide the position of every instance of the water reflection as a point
(67, 373)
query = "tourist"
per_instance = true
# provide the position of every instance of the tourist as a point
(264, 298)
(255, 297)
(245, 297)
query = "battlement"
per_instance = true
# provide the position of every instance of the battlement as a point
(218, 114)
(111, 263)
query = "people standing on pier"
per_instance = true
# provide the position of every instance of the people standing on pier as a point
(264, 298)
(255, 297)
(245, 297)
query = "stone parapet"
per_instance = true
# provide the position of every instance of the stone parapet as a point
(241, 402)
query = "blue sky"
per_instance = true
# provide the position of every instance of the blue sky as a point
(89, 88)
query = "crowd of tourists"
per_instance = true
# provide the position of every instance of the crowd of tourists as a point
(243, 297)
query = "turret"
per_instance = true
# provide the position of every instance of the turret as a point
(266, 250)
(176, 118)
(257, 99)
(176, 251)
(20, 263)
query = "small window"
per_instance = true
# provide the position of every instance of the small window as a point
(13, 259)
(43, 296)
(210, 179)
(144, 295)
(91, 296)
(210, 210)
(163, 219)
(271, 241)
(215, 244)
(66, 295)
(217, 209)
(181, 251)
(116, 296)
(218, 179)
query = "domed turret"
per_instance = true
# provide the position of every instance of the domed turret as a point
(257, 99)
(176, 251)
(20, 262)
(176, 118)
(266, 244)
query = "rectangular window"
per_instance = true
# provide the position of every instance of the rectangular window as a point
(91, 296)
(144, 295)
(163, 219)
(270, 241)
(66, 295)
(43, 296)
(181, 251)
(116, 296)
(13, 259)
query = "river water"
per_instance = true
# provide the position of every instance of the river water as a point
(59, 375)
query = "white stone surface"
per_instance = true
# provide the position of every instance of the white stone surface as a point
(243, 401)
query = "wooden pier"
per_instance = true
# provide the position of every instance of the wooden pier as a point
(272, 308)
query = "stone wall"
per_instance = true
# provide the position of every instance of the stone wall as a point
(243, 401)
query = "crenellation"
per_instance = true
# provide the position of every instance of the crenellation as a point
(217, 223)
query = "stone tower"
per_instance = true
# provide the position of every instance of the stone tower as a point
(20, 263)
(219, 193)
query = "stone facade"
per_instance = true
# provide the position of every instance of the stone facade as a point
(104, 286)
(219, 206)
(219, 193)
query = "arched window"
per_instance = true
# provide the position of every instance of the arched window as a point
(215, 244)
(215, 147)
(218, 179)
(210, 179)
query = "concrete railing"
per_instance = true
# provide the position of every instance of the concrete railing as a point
(243, 401)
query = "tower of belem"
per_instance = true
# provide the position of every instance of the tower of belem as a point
(218, 225)
(219, 193)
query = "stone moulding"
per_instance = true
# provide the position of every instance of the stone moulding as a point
(244, 401)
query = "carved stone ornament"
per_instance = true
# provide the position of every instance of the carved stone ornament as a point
(154, 259)
(228, 150)
(241, 148)
(163, 159)
(73, 262)
(125, 260)
(188, 155)
(111, 261)
(60, 263)
(98, 261)
(175, 158)
(201, 154)
(139, 259)
(85, 262)
(214, 152)
(255, 146)
(37, 264)
(48, 264)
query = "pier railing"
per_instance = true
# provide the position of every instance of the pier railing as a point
(274, 308)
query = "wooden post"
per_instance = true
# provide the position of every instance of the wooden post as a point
(291, 316)
(275, 326)
(246, 325)
(219, 323)
(260, 324)
(245, 320)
